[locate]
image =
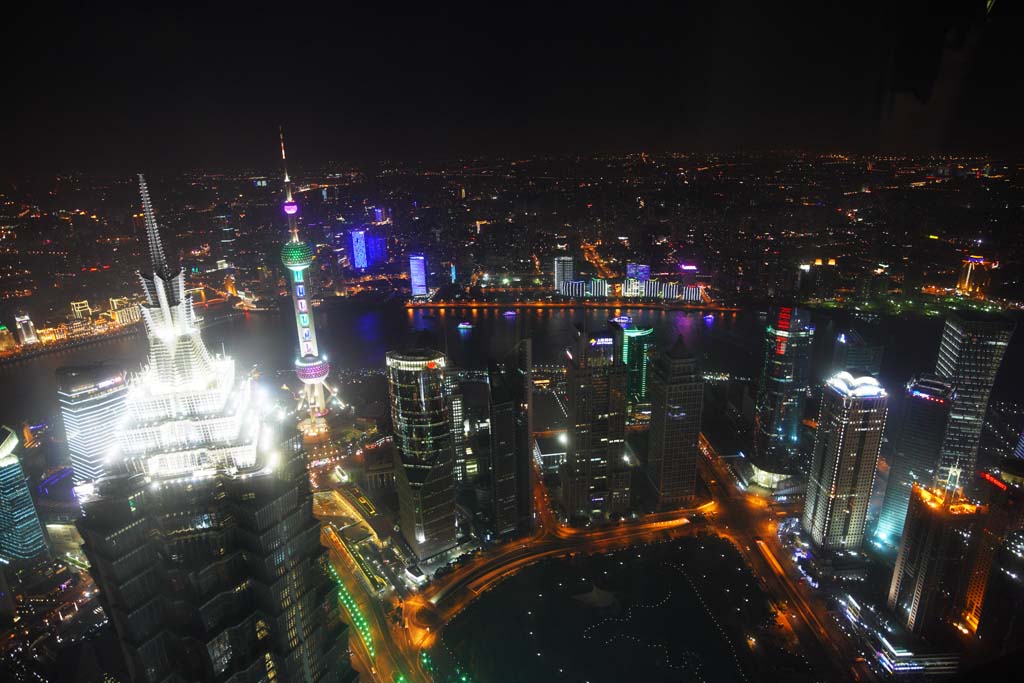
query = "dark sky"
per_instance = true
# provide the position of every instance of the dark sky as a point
(120, 88)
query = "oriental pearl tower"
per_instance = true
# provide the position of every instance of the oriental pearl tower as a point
(311, 368)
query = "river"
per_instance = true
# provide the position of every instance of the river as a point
(358, 337)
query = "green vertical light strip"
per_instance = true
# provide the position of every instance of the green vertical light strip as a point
(354, 613)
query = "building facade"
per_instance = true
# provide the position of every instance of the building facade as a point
(970, 354)
(846, 447)
(563, 271)
(26, 330)
(596, 475)
(418, 274)
(636, 344)
(677, 399)
(781, 396)
(420, 414)
(929, 567)
(21, 534)
(918, 430)
(92, 404)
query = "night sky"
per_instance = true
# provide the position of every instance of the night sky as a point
(109, 89)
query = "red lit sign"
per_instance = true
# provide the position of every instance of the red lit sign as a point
(992, 480)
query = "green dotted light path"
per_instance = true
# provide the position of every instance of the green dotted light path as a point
(354, 613)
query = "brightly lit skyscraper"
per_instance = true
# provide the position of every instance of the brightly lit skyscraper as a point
(92, 403)
(846, 448)
(21, 535)
(782, 392)
(202, 537)
(970, 354)
(310, 366)
(635, 343)
(421, 415)
(26, 330)
(418, 274)
(563, 271)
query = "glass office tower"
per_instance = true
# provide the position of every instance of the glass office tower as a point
(92, 403)
(21, 534)
(421, 416)
(970, 354)
(846, 448)
(782, 393)
(920, 427)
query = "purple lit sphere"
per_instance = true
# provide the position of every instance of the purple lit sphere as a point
(291, 208)
(312, 370)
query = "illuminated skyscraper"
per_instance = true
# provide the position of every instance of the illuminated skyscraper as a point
(564, 272)
(21, 535)
(918, 430)
(929, 566)
(596, 474)
(782, 392)
(970, 354)
(636, 343)
(418, 274)
(677, 399)
(92, 403)
(202, 538)
(357, 249)
(311, 367)
(420, 413)
(846, 448)
(26, 330)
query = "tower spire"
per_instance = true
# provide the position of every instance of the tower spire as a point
(290, 207)
(156, 247)
(284, 163)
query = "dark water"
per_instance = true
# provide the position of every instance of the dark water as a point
(354, 337)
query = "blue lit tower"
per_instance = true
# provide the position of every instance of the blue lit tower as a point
(311, 368)
(21, 535)
(922, 418)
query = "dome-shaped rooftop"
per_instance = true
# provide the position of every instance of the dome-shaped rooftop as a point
(296, 255)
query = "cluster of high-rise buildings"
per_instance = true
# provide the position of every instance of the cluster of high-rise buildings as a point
(608, 371)
(638, 284)
(948, 522)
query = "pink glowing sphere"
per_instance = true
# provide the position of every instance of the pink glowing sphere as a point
(291, 208)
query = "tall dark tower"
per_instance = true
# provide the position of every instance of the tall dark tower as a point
(677, 397)
(511, 417)
(782, 392)
(930, 564)
(970, 354)
(420, 413)
(202, 537)
(917, 439)
(596, 475)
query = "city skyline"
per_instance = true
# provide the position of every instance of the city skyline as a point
(678, 343)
